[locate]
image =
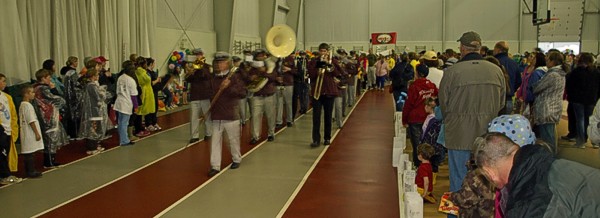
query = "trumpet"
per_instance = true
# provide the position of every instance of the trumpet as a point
(320, 76)
(192, 66)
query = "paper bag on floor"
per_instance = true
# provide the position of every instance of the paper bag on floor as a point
(414, 205)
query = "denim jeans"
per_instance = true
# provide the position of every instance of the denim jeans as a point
(509, 106)
(582, 120)
(122, 124)
(457, 166)
(380, 81)
(547, 133)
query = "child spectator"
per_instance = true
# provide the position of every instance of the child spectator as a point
(31, 137)
(94, 116)
(47, 107)
(9, 132)
(429, 106)
(425, 173)
(431, 130)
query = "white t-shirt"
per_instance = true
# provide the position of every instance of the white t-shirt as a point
(5, 113)
(27, 116)
(435, 76)
(126, 88)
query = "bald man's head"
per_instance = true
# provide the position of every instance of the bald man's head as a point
(501, 47)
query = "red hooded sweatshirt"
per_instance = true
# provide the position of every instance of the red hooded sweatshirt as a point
(414, 108)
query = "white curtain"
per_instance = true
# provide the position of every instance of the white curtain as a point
(33, 31)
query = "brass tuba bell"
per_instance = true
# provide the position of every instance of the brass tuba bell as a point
(280, 40)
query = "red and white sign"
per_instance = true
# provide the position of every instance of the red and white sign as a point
(383, 38)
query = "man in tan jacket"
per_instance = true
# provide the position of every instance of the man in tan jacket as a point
(471, 94)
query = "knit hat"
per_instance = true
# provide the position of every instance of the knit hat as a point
(515, 126)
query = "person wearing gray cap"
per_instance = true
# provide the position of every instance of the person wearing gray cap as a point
(227, 88)
(199, 79)
(471, 94)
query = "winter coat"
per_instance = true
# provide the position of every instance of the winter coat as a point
(512, 68)
(540, 186)
(472, 92)
(400, 75)
(583, 86)
(547, 106)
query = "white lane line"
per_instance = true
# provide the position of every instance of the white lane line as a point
(305, 178)
(111, 149)
(117, 179)
(166, 210)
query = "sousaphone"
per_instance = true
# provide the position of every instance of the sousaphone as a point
(280, 42)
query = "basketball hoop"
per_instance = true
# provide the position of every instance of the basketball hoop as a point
(552, 22)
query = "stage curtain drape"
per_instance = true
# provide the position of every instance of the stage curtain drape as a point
(34, 30)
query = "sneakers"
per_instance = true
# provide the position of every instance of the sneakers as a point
(128, 144)
(568, 138)
(157, 127)
(314, 144)
(142, 133)
(151, 128)
(582, 146)
(10, 180)
(98, 150)
(326, 142)
(235, 165)
(595, 146)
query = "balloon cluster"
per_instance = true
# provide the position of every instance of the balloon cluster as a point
(177, 59)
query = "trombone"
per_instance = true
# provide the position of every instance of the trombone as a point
(320, 76)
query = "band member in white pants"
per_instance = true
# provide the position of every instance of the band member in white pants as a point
(199, 77)
(225, 112)
(263, 101)
(285, 91)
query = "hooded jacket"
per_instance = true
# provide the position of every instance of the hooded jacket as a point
(414, 108)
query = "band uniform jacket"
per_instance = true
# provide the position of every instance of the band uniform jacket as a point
(226, 107)
(269, 88)
(329, 87)
(288, 77)
(200, 83)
